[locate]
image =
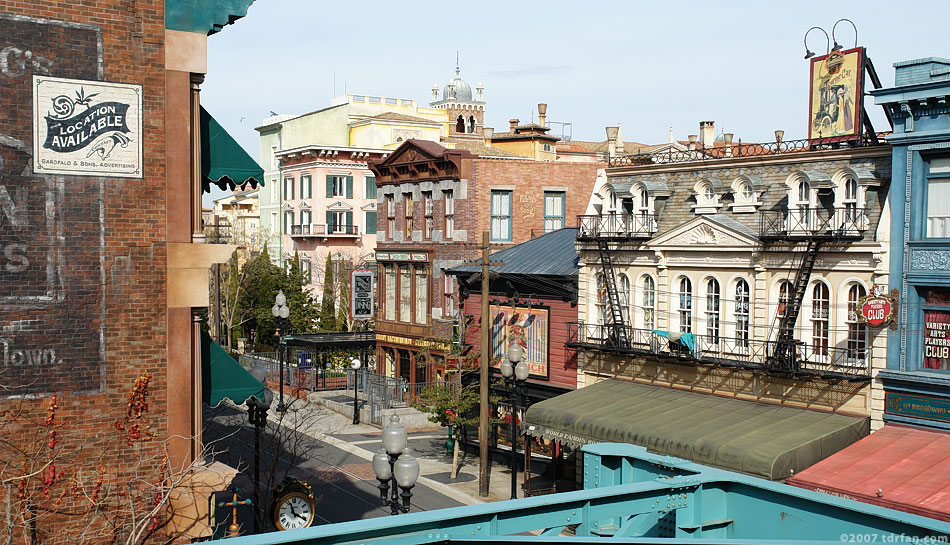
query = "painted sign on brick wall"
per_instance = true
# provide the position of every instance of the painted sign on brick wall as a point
(52, 233)
(87, 128)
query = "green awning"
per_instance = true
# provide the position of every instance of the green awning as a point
(758, 439)
(223, 161)
(223, 377)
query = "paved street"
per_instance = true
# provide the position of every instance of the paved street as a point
(332, 455)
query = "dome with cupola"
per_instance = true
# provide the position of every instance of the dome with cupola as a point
(457, 88)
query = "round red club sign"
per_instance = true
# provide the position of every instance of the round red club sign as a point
(877, 310)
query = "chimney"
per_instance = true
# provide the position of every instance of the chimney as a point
(512, 123)
(542, 113)
(612, 141)
(619, 138)
(707, 133)
(692, 141)
(671, 140)
(488, 132)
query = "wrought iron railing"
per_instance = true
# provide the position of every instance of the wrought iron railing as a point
(616, 226)
(820, 360)
(322, 229)
(739, 149)
(811, 222)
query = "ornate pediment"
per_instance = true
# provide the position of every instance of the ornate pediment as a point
(369, 207)
(704, 233)
(340, 205)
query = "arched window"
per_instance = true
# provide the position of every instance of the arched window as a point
(686, 305)
(784, 298)
(803, 203)
(820, 303)
(460, 124)
(601, 301)
(471, 124)
(713, 317)
(649, 302)
(742, 313)
(624, 297)
(857, 332)
(850, 200)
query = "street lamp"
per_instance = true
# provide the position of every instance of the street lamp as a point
(394, 466)
(515, 377)
(257, 416)
(281, 314)
(356, 408)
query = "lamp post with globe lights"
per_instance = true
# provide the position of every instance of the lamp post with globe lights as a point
(281, 313)
(355, 364)
(515, 371)
(395, 467)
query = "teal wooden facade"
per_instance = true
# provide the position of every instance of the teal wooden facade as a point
(631, 496)
(918, 367)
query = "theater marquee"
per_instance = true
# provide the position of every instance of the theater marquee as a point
(87, 128)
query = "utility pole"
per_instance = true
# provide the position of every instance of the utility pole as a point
(483, 376)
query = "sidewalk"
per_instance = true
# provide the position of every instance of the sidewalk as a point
(428, 446)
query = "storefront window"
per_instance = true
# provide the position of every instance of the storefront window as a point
(390, 293)
(405, 294)
(422, 295)
(937, 329)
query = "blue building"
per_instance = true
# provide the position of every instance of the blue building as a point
(917, 379)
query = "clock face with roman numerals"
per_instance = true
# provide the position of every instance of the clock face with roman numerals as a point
(294, 510)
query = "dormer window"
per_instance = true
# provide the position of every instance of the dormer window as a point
(707, 192)
(746, 198)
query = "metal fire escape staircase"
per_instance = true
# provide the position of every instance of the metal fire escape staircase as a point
(783, 353)
(617, 333)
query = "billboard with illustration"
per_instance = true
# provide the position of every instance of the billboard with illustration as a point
(836, 94)
(529, 324)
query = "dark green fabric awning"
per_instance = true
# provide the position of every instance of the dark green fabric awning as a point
(223, 377)
(759, 439)
(223, 161)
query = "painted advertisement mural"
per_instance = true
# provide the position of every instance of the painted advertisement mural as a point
(51, 225)
(937, 330)
(532, 324)
(836, 94)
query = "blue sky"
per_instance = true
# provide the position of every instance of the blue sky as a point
(645, 65)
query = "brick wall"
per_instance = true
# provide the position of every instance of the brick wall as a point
(82, 313)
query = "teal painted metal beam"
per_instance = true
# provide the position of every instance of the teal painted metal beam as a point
(203, 16)
(637, 497)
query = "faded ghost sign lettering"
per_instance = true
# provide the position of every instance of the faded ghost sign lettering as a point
(52, 274)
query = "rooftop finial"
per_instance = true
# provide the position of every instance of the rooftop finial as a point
(456, 62)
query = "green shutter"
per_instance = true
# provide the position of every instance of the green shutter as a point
(371, 188)
(329, 221)
(329, 186)
(349, 187)
(349, 221)
(371, 223)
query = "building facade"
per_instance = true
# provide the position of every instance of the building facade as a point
(433, 204)
(236, 218)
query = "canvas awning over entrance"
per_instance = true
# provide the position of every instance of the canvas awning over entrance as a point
(223, 377)
(759, 439)
(900, 467)
(223, 161)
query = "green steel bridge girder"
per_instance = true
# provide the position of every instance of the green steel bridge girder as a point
(632, 496)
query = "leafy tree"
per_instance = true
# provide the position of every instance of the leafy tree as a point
(303, 314)
(343, 316)
(327, 304)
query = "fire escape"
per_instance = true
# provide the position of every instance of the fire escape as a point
(616, 228)
(811, 227)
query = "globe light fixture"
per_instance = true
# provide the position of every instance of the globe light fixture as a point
(281, 313)
(515, 371)
(355, 364)
(395, 468)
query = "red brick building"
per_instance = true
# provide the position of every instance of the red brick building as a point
(433, 205)
(103, 270)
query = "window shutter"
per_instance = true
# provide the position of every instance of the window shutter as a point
(349, 187)
(329, 186)
(370, 223)
(329, 220)
(370, 187)
(349, 220)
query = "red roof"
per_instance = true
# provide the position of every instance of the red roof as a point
(900, 467)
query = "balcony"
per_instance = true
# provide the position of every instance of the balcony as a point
(802, 224)
(807, 360)
(617, 227)
(323, 230)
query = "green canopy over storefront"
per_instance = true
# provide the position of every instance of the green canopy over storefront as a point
(223, 377)
(759, 439)
(223, 161)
